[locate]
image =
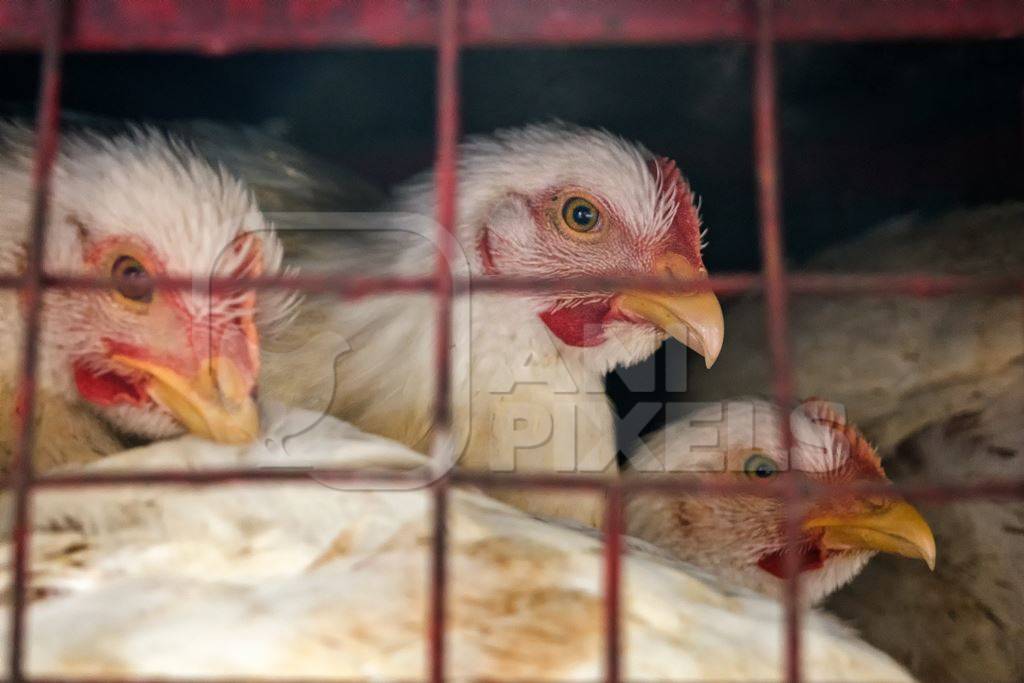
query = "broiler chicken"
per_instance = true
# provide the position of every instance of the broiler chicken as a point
(937, 383)
(742, 538)
(967, 616)
(133, 362)
(309, 580)
(545, 201)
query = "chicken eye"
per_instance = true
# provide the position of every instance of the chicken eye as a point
(131, 280)
(579, 214)
(760, 466)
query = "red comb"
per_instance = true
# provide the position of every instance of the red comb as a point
(684, 234)
(821, 412)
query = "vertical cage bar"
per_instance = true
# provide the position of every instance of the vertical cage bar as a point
(438, 578)
(766, 143)
(31, 293)
(614, 520)
(445, 175)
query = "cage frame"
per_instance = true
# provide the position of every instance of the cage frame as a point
(54, 27)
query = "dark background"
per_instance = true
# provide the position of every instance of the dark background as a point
(868, 131)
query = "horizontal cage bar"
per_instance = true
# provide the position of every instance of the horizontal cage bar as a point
(730, 284)
(224, 27)
(669, 483)
(218, 28)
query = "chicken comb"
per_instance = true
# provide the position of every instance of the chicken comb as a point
(684, 232)
(247, 249)
(820, 411)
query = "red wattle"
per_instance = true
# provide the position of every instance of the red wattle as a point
(106, 389)
(811, 557)
(579, 325)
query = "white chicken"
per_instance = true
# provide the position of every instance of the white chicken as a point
(969, 614)
(938, 384)
(131, 361)
(307, 579)
(545, 201)
(742, 538)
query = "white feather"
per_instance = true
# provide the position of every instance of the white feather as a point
(374, 358)
(303, 579)
(141, 188)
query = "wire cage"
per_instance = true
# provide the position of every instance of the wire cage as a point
(56, 26)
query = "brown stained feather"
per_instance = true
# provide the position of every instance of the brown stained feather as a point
(67, 433)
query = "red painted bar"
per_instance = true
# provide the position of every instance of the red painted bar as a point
(438, 583)
(31, 297)
(766, 151)
(236, 25)
(445, 174)
(726, 284)
(614, 525)
(669, 484)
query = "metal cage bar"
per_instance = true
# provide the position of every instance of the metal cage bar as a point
(218, 28)
(448, 26)
(31, 293)
(776, 294)
(918, 285)
(940, 492)
(445, 174)
(614, 525)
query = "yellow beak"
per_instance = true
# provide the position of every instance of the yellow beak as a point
(895, 526)
(215, 404)
(694, 318)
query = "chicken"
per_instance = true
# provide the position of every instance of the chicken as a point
(132, 362)
(309, 579)
(966, 617)
(742, 538)
(937, 383)
(545, 201)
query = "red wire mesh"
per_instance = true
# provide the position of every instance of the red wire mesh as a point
(31, 292)
(449, 25)
(776, 296)
(234, 25)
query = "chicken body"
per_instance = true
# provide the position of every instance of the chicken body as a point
(967, 615)
(938, 384)
(308, 579)
(527, 370)
(899, 363)
(133, 362)
(743, 538)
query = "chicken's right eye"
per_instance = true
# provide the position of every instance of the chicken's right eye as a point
(760, 466)
(580, 214)
(131, 280)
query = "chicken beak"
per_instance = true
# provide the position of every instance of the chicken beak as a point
(694, 318)
(893, 527)
(215, 404)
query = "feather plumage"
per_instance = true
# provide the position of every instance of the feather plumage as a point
(936, 383)
(258, 580)
(148, 199)
(523, 397)
(742, 538)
